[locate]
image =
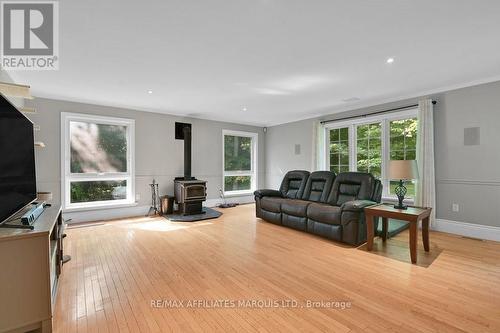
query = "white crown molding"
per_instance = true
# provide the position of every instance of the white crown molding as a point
(380, 101)
(467, 229)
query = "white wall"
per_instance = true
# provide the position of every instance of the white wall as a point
(158, 154)
(466, 175)
(281, 157)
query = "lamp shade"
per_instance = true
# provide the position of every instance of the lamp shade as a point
(405, 170)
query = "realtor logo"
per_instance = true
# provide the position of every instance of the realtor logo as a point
(30, 35)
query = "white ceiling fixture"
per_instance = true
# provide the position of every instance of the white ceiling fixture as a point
(150, 92)
(244, 109)
(390, 60)
(287, 60)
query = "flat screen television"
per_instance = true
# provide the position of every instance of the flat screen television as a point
(17, 160)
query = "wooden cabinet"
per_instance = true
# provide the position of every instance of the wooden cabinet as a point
(30, 265)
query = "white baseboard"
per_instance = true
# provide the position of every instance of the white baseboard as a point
(117, 213)
(239, 199)
(105, 214)
(468, 229)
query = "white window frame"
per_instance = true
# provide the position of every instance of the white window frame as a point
(254, 163)
(67, 177)
(385, 120)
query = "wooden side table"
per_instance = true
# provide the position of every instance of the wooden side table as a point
(412, 215)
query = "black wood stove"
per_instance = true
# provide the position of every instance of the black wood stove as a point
(189, 191)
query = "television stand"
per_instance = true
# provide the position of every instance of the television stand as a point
(29, 285)
(28, 218)
(16, 226)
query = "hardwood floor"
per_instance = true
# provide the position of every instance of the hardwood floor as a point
(120, 267)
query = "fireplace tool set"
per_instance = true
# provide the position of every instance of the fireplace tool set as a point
(155, 199)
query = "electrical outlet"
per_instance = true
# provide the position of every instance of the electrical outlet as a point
(455, 207)
(137, 197)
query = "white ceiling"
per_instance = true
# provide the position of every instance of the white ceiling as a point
(282, 60)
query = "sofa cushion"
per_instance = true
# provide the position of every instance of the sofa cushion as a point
(272, 217)
(295, 207)
(272, 204)
(350, 186)
(318, 186)
(330, 231)
(324, 213)
(295, 222)
(293, 184)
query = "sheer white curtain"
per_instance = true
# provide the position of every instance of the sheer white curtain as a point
(426, 184)
(318, 162)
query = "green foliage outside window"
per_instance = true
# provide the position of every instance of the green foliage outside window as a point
(89, 191)
(369, 148)
(98, 148)
(339, 150)
(237, 153)
(403, 146)
(237, 157)
(237, 183)
(402, 140)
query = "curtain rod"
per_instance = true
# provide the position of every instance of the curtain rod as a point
(373, 113)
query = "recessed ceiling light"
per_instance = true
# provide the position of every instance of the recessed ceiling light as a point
(244, 109)
(390, 60)
(150, 92)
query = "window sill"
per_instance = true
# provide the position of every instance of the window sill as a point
(394, 200)
(99, 207)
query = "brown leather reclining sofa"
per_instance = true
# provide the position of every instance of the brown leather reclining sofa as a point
(322, 203)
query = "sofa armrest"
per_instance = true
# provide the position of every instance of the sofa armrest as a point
(353, 221)
(267, 193)
(356, 205)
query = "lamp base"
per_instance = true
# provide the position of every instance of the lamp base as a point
(400, 191)
(400, 206)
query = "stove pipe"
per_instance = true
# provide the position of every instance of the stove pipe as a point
(187, 152)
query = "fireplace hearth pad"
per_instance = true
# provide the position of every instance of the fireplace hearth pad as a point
(207, 214)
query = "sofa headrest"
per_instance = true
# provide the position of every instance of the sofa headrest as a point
(318, 186)
(294, 183)
(350, 186)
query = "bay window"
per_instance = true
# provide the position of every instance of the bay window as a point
(367, 144)
(239, 162)
(97, 164)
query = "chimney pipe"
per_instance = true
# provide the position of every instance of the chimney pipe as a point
(187, 152)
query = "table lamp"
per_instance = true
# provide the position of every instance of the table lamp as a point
(402, 170)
